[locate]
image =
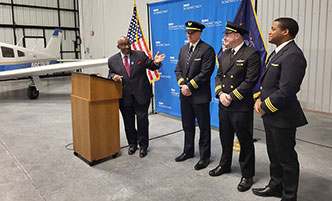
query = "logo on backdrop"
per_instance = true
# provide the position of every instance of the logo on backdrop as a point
(158, 12)
(175, 93)
(172, 26)
(187, 6)
(173, 60)
(164, 76)
(162, 105)
(209, 23)
(160, 44)
(228, 1)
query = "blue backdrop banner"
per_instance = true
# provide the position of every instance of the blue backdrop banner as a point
(168, 36)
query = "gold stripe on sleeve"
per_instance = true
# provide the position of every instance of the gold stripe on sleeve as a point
(270, 105)
(192, 82)
(180, 80)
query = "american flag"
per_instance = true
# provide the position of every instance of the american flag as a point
(138, 42)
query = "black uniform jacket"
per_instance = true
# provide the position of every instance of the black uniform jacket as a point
(198, 73)
(138, 83)
(238, 76)
(280, 83)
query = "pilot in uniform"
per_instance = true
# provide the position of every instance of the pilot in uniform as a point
(195, 66)
(281, 110)
(236, 78)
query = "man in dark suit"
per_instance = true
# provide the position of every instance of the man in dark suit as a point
(236, 78)
(281, 110)
(195, 66)
(129, 68)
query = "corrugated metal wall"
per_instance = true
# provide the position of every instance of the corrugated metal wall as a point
(314, 38)
(38, 17)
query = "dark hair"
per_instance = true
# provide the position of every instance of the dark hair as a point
(290, 24)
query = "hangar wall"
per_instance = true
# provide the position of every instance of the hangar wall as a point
(314, 38)
(110, 19)
(38, 18)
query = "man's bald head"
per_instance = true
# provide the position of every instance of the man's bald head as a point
(124, 45)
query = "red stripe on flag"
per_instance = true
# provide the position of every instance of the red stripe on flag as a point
(150, 75)
(139, 45)
(143, 48)
(146, 47)
(153, 75)
(133, 46)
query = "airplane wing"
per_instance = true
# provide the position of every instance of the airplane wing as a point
(42, 70)
(34, 72)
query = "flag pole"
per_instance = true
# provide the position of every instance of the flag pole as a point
(256, 6)
(149, 30)
(149, 33)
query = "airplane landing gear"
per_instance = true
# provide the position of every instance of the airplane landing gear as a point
(34, 87)
(33, 93)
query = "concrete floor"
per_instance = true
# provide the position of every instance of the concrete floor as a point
(36, 165)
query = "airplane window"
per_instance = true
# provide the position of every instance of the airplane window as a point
(20, 53)
(7, 52)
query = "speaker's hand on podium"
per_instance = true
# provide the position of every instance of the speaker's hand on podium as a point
(117, 78)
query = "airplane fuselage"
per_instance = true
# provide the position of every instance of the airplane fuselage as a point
(19, 62)
(14, 57)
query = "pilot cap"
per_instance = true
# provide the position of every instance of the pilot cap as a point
(235, 28)
(192, 26)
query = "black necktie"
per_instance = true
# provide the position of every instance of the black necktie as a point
(233, 53)
(270, 58)
(189, 54)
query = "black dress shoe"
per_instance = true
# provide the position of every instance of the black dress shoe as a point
(132, 149)
(183, 157)
(267, 192)
(201, 164)
(245, 184)
(143, 153)
(219, 170)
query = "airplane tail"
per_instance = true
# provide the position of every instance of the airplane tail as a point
(53, 46)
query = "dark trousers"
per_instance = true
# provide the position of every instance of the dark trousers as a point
(241, 124)
(189, 112)
(284, 165)
(141, 134)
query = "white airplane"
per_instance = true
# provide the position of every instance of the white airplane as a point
(19, 62)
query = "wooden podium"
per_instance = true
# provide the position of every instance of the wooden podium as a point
(95, 117)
